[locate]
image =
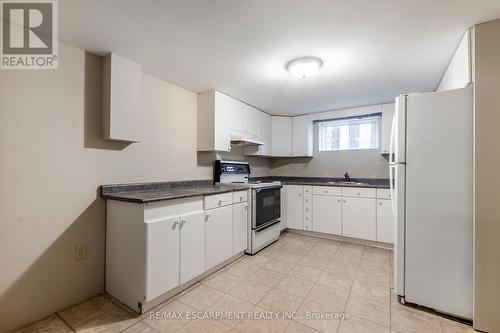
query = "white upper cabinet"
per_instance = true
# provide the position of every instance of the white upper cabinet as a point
(244, 121)
(387, 115)
(222, 118)
(291, 136)
(264, 137)
(121, 99)
(252, 122)
(302, 141)
(281, 136)
(214, 121)
(238, 112)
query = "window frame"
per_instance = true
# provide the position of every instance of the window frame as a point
(350, 121)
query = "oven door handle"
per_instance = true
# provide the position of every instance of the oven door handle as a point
(257, 190)
(267, 225)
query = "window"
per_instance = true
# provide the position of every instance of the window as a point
(349, 133)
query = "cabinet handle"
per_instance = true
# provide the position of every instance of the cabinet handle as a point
(345, 201)
(206, 217)
(359, 193)
(338, 200)
(241, 198)
(220, 202)
(326, 191)
(183, 221)
(380, 204)
(176, 223)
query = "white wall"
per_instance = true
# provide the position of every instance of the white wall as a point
(458, 73)
(487, 176)
(52, 160)
(358, 163)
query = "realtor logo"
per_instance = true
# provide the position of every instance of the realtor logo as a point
(29, 35)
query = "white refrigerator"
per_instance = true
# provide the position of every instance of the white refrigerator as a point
(431, 172)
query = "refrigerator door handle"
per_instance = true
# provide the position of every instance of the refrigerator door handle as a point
(391, 188)
(392, 158)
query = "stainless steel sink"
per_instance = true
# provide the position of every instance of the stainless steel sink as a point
(345, 183)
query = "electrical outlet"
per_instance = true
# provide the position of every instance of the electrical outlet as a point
(80, 251)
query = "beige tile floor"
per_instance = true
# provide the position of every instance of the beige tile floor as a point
(296, 274)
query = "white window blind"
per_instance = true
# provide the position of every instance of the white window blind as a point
(349, 133)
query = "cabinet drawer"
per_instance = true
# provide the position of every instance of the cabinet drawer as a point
(308, 218)
(307, 198)
(358, 192)
(383, 193)
(327, 190)
(240, 196)
(307, 189)
(308, 226)
(307, 208)
(218, 200)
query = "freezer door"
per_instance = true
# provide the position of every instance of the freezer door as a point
(398, 208)
(398, 134)
(439, 228)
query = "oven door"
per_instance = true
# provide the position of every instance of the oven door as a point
(266, 207)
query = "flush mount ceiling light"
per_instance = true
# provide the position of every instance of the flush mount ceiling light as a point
(304, 67)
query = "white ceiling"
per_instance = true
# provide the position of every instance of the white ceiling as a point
(372, 50)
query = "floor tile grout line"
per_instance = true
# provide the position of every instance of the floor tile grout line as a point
(350, 289)
(65, 322)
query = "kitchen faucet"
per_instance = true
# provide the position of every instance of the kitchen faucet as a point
(346, 177)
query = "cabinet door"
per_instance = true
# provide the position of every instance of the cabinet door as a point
(264, 136)
(122, 99)
(252, 122)
(302, 136)
(385, 222)
(284, 215)
(192, 246)
(218, 235)
(387, 115)
(359, 218)
(327, 214)
(281, 136)
(294, 206)
(162, 256)
(238, 114)
(240, 227)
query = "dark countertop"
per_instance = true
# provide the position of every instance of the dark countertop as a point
(326, 181)
(150, 192)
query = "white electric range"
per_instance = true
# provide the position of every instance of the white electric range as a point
(265, 202)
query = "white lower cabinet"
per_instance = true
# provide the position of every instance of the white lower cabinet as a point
(162, 256)
(327, 214)
(240, 227)
(154, 248)
(294, 206)
(385, 221)
(348, 211)
(359, 218)
(218, 235)
(192, 245)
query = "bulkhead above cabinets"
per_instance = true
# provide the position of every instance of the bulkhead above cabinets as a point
(224, 121)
